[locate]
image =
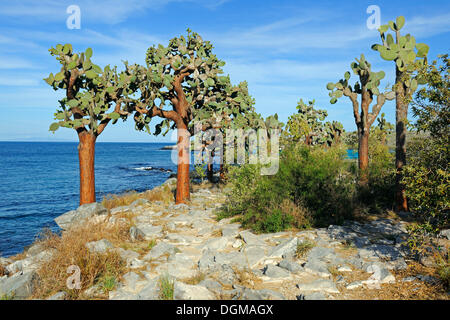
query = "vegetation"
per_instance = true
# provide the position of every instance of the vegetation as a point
(408, 56)
(427, 177)
(94, 97)
(311, 188)
(166, 287)
(367, 89)
(303, 248)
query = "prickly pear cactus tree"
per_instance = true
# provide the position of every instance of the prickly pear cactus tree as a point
(223, 107)
(94, 98)
(306, 125)
(178, 75)
(367, 89)
(408, 56)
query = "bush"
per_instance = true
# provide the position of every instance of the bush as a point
(311, 188)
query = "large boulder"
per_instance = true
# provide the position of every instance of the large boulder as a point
(83, 213)
(20, 286)
(184, 291)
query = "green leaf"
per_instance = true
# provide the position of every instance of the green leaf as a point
(54, 126)
(347, 75)
(114, 115)
(72, 65)
(73, 103)
(59, 76)
(91, 74)
(110, 90)
(400, 22)
(67, 48)
(88, 53)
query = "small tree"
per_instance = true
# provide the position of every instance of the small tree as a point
(307, 126)
(408, 57)
(183, 75)
(94, 98)
(367, 89)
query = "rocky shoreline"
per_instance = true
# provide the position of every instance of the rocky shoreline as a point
(210, 259)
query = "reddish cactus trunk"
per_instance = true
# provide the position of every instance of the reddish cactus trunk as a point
(86, 155)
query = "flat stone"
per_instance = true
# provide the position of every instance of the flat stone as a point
(216, 244)
(345, 269)
(131, 280)
(19, 286)
(149, 231)
(320, 253)
(100, 246)
(380, 275)
(251, 239)
(264, 294)
(136, 234)
(121, 209)
(284, 248)
(317, 267)
(322, 285)
(150, 291)
(74, 217)
(254, 254)
(354, 285)
(160, 249)
(58, 296)
(312, 296)
(445, 234)
(184, 291)
(231, 230)
(290, 265)
(275, 272)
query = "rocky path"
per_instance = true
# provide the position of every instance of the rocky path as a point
(210, 259)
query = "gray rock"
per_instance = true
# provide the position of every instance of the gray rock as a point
(207, 261)
(150, 291)
(19, 286)
(275, 272)
(211, 285)
(231, 230)
(290, 265)
(321, 285)
(264, 294)
(136, 234)
(74, 217)
(130, 280)
(286, 247)
(428, 279)
(127, 255)
(93, 291)
(251, 239)
(216, 243)
(140, 202)
(161, 248)
(184, 291)
(30, 263)
(117, 210)
(35, 249)
(320, 253)
(58, 296)
(122, 295)
(234, 258)
(317, 267)
(254, 254)
(149, 231)
(312, 296)
(445, 234)
(409, 279)
(380, 275)
(100, 246)
(354, 285)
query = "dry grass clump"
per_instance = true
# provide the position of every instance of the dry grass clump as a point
(2, 271)
(303, 248)
(302, 217)
(103, 269)
(194, 280)
(162, 193)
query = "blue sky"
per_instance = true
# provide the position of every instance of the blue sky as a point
(286, 50)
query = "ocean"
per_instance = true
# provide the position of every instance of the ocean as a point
(39, 181)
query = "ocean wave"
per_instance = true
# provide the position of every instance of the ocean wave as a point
(152, 169)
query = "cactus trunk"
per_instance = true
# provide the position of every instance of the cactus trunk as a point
(401, 114)
(183, 144)
(86, 155)
(363, 156)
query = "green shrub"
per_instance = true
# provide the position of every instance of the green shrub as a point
(312, 188)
